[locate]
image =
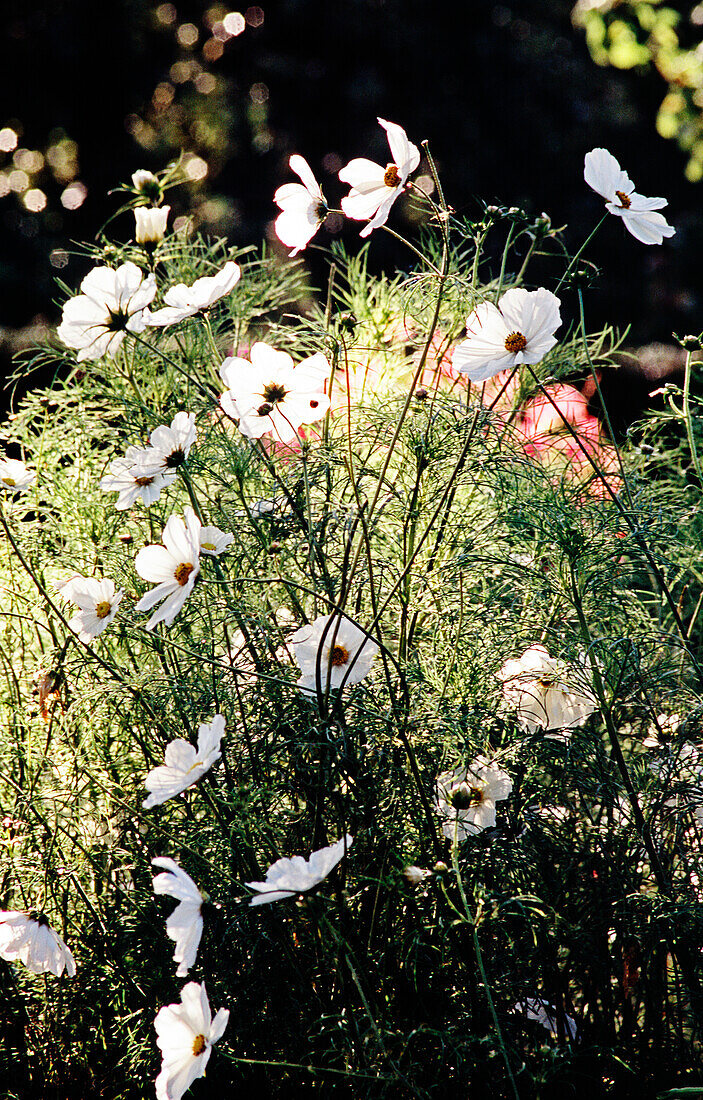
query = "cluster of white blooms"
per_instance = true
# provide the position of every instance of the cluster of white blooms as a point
(374, 189)
(269, 394)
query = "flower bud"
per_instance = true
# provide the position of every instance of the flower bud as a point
(146, 183)
(151, 223)
(691, 343)
(414, 875)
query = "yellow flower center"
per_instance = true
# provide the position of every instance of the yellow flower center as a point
(103, 609)
(391, 176)
(142, 481)
(9, 481)
(207, 546)
(515, 342)
(624, 199)
(340, 656)
(183, 571)
(199, 1045)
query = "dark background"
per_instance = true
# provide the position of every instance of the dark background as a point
(506, 93)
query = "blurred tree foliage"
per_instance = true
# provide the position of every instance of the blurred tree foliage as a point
(632, 34)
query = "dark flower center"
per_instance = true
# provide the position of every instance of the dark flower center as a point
(38, 918)
(274, 392)
(142, 481)
(515, 342)
(175, 458)
(391, 176)
(321, 211)
(464, 796)
(102, 610)
(118, 320)
(624, 199)
(183, 571)
(340, 656)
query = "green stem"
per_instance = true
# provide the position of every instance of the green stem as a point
(574, 259)
(688, 419)
(473, 921)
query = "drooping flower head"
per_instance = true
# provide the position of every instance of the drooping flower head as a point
(547, 694)
(97, 602)
(520, 329)
(150, 223)
(184, 765)
(333, 651)
(467, 796)
(185, 301)
(374, 189)
(303, 207)
(287, 878)
(15, 476)
(30, 938)
(273, 395)
(173, 567)
(214, 542)
(185, 924)
(168, 447)
(131, 482)
(186, 1033)
(603, 173)
(110, 304)
(534, 1008)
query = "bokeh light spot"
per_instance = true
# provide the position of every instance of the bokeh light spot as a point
(254, 16)
(195, 167)
(18, 180)
(8, 139)
(235, 23)
(74, 195)
(35, 200)
(166, 14)
(187, 35)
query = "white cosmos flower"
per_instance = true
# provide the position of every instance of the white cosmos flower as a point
(185, 301)
(150, 223)
(338, 647)
(174, 568)
(546, 1015)
(184, 765)
(30, 938)
(603, 173)
(185, 924)
(303, 207)
(186, 1033)
(467, 796)
(97, 602)
(111, 303)
(14, 475)
(520, 329)
(127, 479)
(272, 394)
(168, 447)
(546, 693)
(213, 541)
(286, 878)
(374, 189)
